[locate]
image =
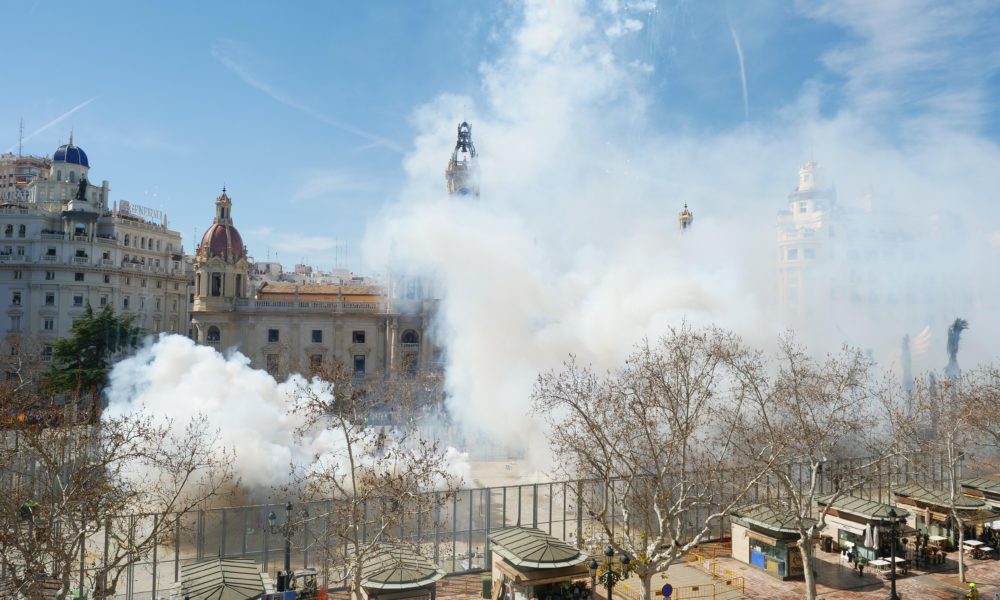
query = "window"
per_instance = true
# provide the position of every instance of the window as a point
(15, 298)
(50, 299)
(104, 301)
(20, 250)
(317, 336)
(81, 253)
(315, 361)
(143, 283)
(106, 255)
(793, 253)
(214, 335)
(159, 284)
(272, 335)
(239, 286)
(142, 303)
(50, 251)
(175, 285)
(216, 284)
(18, 274)
(22, 231)
(8, 231)
(15, 323)
(128, 281)
(810, 253)
(272, 363)
(50, 275)
(358, 337)
(126, 239)
(47, 353)
(77, 300)
(410, 337)
(125, 302)
(77, 276)
(173, 305)
(157, 304)
(48, 324)
(359, 365)
(107, 278)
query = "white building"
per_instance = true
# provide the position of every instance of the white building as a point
(62, 247)
(848, 273)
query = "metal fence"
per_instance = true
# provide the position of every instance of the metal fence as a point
(457, 540)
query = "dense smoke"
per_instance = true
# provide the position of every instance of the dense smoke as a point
(174, 378)
(574, 246)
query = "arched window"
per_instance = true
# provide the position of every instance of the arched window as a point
(127, 239)
(72, 176)
(21, 230)
(216, 284)
(8, 231)
(214, 335)
(410, 337)
(58, 175)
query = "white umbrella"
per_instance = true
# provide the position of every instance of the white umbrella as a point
(868, 536)
(875, 543)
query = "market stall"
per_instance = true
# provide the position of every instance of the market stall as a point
(860, 524)
(398, 572)
(529, 563)
(767, 537)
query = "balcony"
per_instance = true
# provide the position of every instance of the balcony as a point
(50, 257)
(410, 345)
(81, 260)
(107, 262)
(250, 305)
(53, 236)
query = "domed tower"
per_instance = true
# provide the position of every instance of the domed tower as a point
(221, 264)
(462, 168)
(685, 218)
(69, 162)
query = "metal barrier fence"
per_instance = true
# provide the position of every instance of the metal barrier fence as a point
(457, 541)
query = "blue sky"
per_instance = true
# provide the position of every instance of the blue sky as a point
(307, 112)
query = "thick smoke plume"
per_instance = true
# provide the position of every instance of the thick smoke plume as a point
(174, 378)
(574, 246)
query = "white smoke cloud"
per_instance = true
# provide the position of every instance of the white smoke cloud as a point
(174, 378)
(574, 245)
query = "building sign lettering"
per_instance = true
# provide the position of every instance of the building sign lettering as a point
(143, 212)
(22, 195)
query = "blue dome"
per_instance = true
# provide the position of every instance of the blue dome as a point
(68, 153)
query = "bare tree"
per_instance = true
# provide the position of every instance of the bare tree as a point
(71, 489)
(816, 425)
(648, 438)
(947, 419)
(379, 472)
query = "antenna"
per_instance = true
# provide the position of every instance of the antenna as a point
(20, 137)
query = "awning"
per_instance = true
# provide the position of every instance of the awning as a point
(855, 529)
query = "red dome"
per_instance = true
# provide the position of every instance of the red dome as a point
(222, 240)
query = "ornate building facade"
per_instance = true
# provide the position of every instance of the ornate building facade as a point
(63, 247)
(291, 327)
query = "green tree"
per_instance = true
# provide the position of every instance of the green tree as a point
(81, 362)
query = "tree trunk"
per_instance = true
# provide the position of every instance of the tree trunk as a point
(961, 551)
(645, 585)
(806, 550)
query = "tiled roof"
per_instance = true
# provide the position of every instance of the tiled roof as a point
(774, 518)
(534, 549)
(985, 484)
(222, 579)
(937, 497)
(863, 507)
(399, 567)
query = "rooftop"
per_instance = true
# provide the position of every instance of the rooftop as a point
(773, 518)
(937, 497)
(534, 549)
(399, 567)
(863, 507)
(222, 579)
(984, 484)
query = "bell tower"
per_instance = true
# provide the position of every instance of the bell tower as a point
(462, 172)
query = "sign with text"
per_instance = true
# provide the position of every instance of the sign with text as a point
(143, 212)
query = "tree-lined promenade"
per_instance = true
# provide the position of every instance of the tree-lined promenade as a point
(656, 454)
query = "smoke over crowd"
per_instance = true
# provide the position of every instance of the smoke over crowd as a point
(574, 246)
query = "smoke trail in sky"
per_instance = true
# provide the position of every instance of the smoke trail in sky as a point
(743, 72)
(54, 122)
(253, 81)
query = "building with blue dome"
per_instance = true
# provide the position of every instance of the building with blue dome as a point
(64, 244)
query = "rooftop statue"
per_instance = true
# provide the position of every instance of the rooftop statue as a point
(81, 190)
(954, 334)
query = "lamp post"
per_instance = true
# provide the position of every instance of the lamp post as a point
(893, 537)
(610, 577)
(592, 569)
(286, 529)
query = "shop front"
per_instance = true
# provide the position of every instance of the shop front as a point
(767, 538)
(860, 524)
(529, 563)
(931, 513)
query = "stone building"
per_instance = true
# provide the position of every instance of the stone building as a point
(292, 327)
(62, 247)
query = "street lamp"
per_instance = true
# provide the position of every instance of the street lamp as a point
(592, 569)
(610, 576)
(893, 537)
(286, 530)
